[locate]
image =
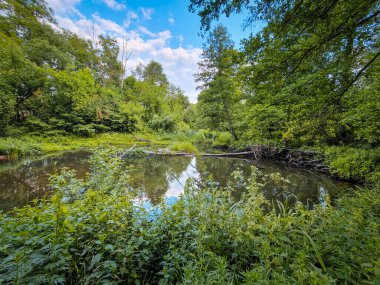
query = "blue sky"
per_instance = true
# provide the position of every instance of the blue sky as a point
(163, 30)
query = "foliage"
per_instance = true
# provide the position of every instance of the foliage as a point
(217, 103)
(308, 78)
(92, 231)
(223, 139)
(165, 124)
(184, 147)
(354, 163)
(54, 79)
(16, 148)
(214, 138)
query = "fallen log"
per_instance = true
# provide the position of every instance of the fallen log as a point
(231, 154)
(293, 157)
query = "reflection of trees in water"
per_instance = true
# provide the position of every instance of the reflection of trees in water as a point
(302, 184)
(221, 171)
(21, 182)
(152, 175)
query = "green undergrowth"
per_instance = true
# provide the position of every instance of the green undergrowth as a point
(29, 145)
(92, 231)
(354, 163)
(187, 147)
(15, 148)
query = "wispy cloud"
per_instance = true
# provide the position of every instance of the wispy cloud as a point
(146, 13)
(171, 21)
(114, 5)
(131, 15)
(63, 6)
(145, 31)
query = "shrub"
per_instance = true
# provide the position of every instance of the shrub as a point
(185, 147)
(166, 123)
(93, 231)
(204, 136)
(85, 130)
(354, 163)
(36, 124)
(223, 139)
(15, 148)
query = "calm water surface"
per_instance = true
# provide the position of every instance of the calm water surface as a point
(164, 177)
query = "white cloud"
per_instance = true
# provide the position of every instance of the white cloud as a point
(179, 63)
(171, 21)
(63, 6)
(146, 13)
(108, 25)
(129, 18)
(145, 31)
(114, 5)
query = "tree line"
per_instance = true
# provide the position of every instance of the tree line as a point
(311, 76)
(52, 80)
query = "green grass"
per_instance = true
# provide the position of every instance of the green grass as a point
(15, 148)
(93, 232)
(30, 145)
(184, 147)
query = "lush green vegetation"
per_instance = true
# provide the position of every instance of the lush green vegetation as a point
(93, 232)
(309, 78)
(302, 81)
(54, 82)
(35, 145)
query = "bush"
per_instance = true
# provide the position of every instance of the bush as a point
(165, 124)
(92, 231)
(184, 147)
(85, 130)
(354, 163)
(223, 139)
(36, 124)
(16, 148)
(204, 136)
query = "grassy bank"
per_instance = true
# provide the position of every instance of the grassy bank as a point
(91, 232)
(36, 145)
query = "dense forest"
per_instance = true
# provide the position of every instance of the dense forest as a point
(51, 79)
(308, 81)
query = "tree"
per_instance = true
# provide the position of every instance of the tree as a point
(305, 61)
(219, 95)
(153, 73)
(110, 67)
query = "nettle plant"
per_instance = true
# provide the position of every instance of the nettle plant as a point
(92, 231)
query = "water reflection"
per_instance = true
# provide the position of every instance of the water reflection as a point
(155, 178)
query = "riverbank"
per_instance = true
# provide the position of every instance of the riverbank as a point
(13, 148)
(349, 163)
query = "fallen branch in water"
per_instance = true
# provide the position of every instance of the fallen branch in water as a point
(293, 157)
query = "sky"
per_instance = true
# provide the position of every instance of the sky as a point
(160, 30)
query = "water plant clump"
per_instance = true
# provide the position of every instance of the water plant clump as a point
(91, 231)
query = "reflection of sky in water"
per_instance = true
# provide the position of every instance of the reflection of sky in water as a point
(156, 178)
(177, 184)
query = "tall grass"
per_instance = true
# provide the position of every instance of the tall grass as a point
(92, 232)
(15, 148)
(184, 146)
